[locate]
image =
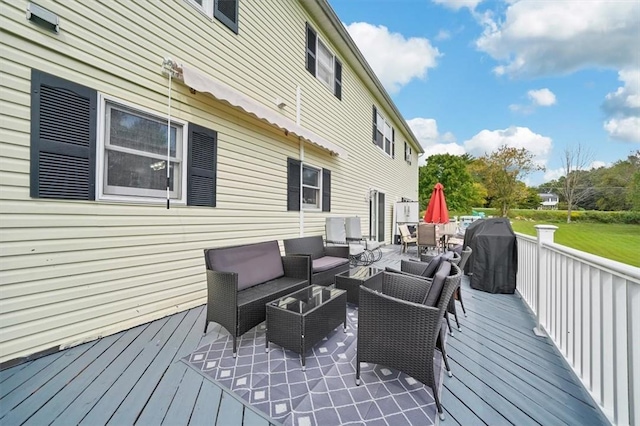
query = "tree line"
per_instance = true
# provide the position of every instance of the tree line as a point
(496, 180)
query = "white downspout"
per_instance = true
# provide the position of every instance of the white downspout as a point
(301, 154)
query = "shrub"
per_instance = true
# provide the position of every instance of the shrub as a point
(587, 216)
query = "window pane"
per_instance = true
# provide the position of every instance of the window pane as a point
(387, 131)
(140, 133)
(380, 123)
(310, 196)
(310, 177)
(134, 171)
(325, 64)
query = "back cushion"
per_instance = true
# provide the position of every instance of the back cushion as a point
(432, 267)
(432, 297)
(313, 246)
(254, 263)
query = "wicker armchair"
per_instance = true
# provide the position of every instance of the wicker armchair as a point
(457, 295)
(326, 261)
(397, 330)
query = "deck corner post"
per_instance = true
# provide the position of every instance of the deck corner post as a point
(545, 235)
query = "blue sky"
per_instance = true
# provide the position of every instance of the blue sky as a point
(471, 75)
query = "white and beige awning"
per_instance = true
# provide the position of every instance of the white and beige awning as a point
(204, 83)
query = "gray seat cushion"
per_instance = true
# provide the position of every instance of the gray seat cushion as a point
(433, 295)
(254, 263)
(327, 262)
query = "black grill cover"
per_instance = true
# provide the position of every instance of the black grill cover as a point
(494, 260)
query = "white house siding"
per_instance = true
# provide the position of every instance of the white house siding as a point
(73, 271)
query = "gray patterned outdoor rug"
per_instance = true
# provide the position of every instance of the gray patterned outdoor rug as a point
(326, 393)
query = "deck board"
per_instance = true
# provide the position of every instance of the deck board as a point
(503, 374)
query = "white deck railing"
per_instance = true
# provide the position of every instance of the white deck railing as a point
(590, 307)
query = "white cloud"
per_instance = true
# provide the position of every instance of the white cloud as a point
(623, 108)
(542, 97)
(488, 141)
(458, 4)
(553, 174)
(625, 129)
(442, 148)
(433, 142)
(555, 37)
(443, 35)
(558, 173)
(396, 60)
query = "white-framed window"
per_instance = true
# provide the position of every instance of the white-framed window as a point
(383, 133)
(311, 187)
(407, 153)
(322, 63)
(225, 11)
(132, 154)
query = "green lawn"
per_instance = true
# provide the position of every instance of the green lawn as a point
(618, 242)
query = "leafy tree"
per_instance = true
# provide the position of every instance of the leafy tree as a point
(501, 174)
(633, 188)
(575, 161)
(531, 199)
(451, 172)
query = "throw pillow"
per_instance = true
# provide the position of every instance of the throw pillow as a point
(432, 267)
(433, 295)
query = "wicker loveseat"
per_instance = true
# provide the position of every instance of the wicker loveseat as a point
(326, 261)
(242, 279)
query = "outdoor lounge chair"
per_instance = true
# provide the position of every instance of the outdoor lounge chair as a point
(401, 327)
(354, 234)
(336, 234)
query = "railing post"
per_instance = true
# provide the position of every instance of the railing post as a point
(545, 234)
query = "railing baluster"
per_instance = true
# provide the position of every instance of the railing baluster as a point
(590, 307)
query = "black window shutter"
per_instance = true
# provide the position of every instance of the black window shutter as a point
(393, 143)
(338, 80)
(381, 212)
(63, 138)
(375, 127)
(201, 163)
(226, 11)
(311, 50)
(326, 190)
(293, 184)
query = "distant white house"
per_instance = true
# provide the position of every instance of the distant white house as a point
(549, 201)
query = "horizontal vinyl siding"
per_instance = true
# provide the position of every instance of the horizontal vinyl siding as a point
(72, 271)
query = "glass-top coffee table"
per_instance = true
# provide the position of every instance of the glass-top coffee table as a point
(352, 279)
(301, 319)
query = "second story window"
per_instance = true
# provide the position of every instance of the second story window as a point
(383, 133)
(407, 153)
(225, 11)
(322, 63)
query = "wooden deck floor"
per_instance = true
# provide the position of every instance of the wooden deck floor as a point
(503, 374)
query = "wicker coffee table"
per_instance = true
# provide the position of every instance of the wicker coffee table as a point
(301, 319)
(352, 279)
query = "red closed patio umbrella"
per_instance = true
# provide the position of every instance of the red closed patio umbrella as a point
(437, 209)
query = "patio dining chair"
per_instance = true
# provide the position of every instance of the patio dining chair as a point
(428, 237)
(406, 237)
(402, 326)
(354, 234)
